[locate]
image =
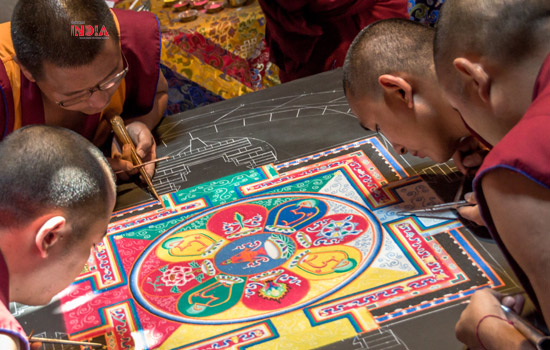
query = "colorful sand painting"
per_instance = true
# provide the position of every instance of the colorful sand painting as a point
(274, 258)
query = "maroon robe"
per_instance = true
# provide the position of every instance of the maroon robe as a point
(526, 151)
(306, 37)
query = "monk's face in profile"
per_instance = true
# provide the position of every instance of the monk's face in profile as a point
(431, 128)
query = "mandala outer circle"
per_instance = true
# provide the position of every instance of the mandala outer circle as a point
(374, 229)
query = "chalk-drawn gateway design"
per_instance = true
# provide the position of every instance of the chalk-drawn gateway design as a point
(256, 258)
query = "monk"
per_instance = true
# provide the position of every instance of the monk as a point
(76, 63)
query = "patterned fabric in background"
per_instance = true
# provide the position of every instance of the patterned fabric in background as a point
(425, 11)
(228, 49)
(224, 53)
(183, 94)
(223, 56)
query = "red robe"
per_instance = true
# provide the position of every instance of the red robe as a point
(306, 37)
(525, 150)
(139, 32)
(8, 323)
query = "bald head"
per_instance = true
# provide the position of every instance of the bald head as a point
(47, 168)
(41, 32)
(503, 31)
(387, 47)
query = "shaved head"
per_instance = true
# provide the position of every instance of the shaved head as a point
(387, 47)
(503, 31)
(41, 32)
(46, 168)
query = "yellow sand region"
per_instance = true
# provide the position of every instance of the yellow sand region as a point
(295, 330)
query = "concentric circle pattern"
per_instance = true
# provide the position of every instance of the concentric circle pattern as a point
(255, 258)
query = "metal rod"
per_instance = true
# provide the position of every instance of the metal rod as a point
(437, 207)
(143, 164)
(534, 335)
(63, 341)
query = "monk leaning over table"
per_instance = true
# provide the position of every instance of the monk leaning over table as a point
(58, 71)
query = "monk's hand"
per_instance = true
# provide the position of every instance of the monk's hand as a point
(469, 154)
(483, 324)
(514, 302)
(145, 144)
(482, 303)
(121, 161)
(471, 212)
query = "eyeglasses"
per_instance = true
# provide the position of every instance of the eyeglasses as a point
(100, 87)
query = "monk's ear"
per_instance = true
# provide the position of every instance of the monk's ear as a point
(49, 234)
(397, 87)
(25, 71)
(475, 75)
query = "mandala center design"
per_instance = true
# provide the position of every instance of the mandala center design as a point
(255, 254)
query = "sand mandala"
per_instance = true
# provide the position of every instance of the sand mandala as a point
(256, 258)
(290, 256)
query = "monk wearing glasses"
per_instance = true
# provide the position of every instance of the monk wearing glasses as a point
(76, 63)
